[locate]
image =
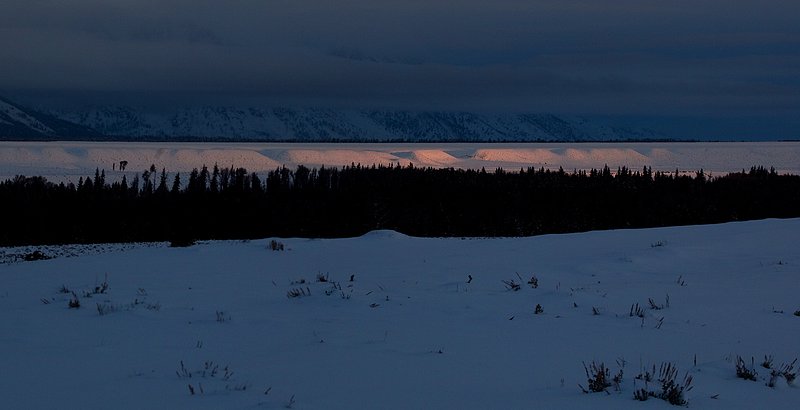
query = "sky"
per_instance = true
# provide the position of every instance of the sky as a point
(686, 67)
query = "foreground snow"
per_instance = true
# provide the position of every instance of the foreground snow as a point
(68, 161)
(408, 332)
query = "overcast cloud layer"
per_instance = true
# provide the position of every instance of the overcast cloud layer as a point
(712, 66)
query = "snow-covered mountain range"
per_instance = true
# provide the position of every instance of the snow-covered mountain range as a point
(304, 124)
(319, 124)
(17, 122)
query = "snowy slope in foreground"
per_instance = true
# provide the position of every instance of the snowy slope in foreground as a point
(409, 333)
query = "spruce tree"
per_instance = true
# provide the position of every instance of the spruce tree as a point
(176, 184)
(162, 185)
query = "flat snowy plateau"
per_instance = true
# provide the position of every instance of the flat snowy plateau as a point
(67, 161)
(218, 319)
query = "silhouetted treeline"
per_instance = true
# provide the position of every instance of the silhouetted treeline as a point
(330, 202)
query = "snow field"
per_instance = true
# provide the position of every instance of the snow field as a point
(408, 332)
(68, 161)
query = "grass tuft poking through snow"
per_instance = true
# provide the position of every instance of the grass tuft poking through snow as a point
(743, 371)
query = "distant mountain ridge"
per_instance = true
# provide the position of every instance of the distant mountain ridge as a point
(17, 122)
(320, 124)
(302, 125)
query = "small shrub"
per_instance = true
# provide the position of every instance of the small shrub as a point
(534, 282)
(298, 292)
(322, 278)
(106, 308)
(595, 311)
(336, 287)
(275, 245)
(797, 312)
(101, 288)
(653, 304)
(538, 309)
(767, 363)
(183, 372)
(788, 372)
(785, 370)
(636, 310)
(642, 394)
(209, 370)
(647, 376)
(774, 375)
(670, 390)
(74, 302)
(744, 372)
(598, 378)
(617, 379)
(222, 317)
(511, 285)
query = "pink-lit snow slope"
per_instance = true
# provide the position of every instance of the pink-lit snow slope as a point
(60, 161)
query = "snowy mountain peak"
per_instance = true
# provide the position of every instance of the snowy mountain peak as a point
(14, 116)
(17, 122)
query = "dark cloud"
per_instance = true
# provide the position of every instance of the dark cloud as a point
(714, 59)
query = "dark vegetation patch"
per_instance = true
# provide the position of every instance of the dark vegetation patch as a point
(330, 202)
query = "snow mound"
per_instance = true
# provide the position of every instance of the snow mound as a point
(332, 157)
(384, 234)
(530, 156)
(612, 157)
(432, 158)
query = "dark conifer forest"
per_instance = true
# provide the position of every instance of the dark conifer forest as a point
(331, 202)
